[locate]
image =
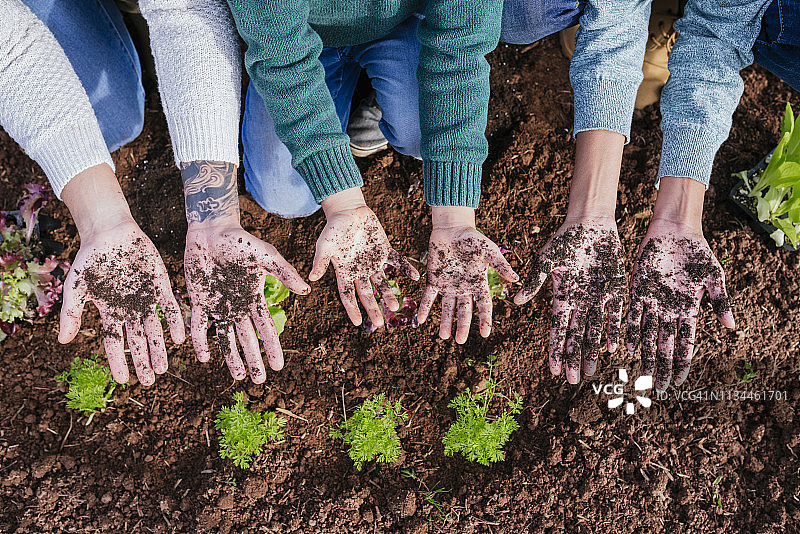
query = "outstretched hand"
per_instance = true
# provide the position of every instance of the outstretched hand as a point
(355, 242)
(675, 267)
(226, 269)
(121, 271)
(459, 257)
(586, 261)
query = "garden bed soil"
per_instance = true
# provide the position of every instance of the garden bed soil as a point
(150, 462)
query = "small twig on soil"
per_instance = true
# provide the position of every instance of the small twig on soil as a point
(181, 379)
(344, 408)
(290, 414)
(208, 439)
(137, 403)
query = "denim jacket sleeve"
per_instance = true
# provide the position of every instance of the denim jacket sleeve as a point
(715, 42)
(606, 68)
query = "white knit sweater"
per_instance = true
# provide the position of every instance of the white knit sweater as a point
(45, 109)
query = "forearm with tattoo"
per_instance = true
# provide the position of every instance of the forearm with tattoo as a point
(211, 191)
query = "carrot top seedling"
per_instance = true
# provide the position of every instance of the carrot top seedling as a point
(372, 431)
(90, 385)
(473, 434)
(244, 433)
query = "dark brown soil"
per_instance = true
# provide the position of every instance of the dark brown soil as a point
(150, 462)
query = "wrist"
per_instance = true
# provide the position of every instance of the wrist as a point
(680, 203)
(95, 201)
(452, 216)
(347, 200)
(593, 192)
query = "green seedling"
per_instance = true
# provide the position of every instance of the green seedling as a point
(428, 494)
(372, 431)
(748, 375)
(716, 496)
(243, 433)
(777, 189)
(89, 384)
(473, 434)
(275, 293)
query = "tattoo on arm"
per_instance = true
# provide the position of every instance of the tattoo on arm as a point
(210, 189)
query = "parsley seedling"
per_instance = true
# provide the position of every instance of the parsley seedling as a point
(473, 434)
(90, 385)
(372, 431)
(244, 433)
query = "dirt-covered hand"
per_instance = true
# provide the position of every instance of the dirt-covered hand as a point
(585, 259)
(226, 269)
(673, 271)
(354, 241)
(121, 271)
(458, 260)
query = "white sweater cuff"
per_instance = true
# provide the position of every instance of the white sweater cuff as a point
(205, 137)
(69, 151)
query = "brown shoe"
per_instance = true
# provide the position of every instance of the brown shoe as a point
(662, 38)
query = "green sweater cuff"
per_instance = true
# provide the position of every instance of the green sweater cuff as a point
(330, 171)
(452, 183)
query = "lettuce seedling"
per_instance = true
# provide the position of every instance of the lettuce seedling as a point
(244, 433)
(777, 189)
(23, 275)
(275, 293)
(89, 384)
(473, 434)
(372, 431)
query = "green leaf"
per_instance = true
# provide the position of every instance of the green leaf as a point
(371, 431)
(243, 433)
(274, 291)
(787, 228)
(90, 385)
(787, 124)
(278, 317)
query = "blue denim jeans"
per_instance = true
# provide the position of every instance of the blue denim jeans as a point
(527, 21)
(777, 48)
(94, 38)
(391, 64)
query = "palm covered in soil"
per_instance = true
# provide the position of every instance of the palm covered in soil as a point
(226, 269)
(585, 260)
(672, 273)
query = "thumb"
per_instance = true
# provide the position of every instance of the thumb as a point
(539, 271)
(502, 266)
(74, 298)
(322, 257)
(288, 275)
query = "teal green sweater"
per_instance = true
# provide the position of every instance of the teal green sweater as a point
(284, 40)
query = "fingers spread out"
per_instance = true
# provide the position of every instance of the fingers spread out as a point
(464, 318)
(367, 297)
(573, 346)
(666, 349)
(114, 343)
(684, 349)
(200, 334)
(634, 334)
(347, 293)
(562, 315)
(252, 350)
(649, 341)
(426, 303)
(483, 301)
(226, 337)
(614, 310)
(448, 312)
(591, 344)
(387, 294)
(269, 336)
(539, 271)
(74, 297)
(155, 341)
(138, 345)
